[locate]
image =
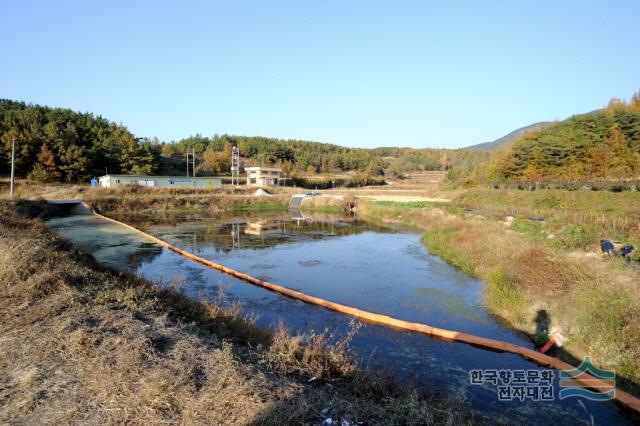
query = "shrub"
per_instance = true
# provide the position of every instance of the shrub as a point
(526, 227)
(39, 174)
(578, 236)
(502, 292)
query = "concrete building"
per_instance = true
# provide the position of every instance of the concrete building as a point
(263, 176)
(110, 181)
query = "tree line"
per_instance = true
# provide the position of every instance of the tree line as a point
(305, 157)
(292, 156)
(601, 145)
(57, 144)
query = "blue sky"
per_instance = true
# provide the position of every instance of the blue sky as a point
(355, 73)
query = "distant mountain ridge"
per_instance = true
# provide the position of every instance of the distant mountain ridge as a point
(510, 137)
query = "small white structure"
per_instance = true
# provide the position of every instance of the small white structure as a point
(261, 193)
(110, 181)
(263, 176)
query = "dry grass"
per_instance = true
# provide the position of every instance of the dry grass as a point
(162, 204)
(540, 273)
(329, 204)
(592, 301)
(157, 204)
(419, 186)
(26, 189)
(577, 219)
(82, 344)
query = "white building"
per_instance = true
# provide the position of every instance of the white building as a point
(110, 181)
(263, 176)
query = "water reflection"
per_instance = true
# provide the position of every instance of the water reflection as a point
(227, 234)
(347, 260)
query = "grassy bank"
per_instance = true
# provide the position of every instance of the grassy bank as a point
(532, 281)
(83, 344)
(132, 202)
(158, 204)
(329, 204)
(332, 208)
(139, 203)
(572, 219)
(257, 206)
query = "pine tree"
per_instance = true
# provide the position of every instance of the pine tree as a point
(47, 160)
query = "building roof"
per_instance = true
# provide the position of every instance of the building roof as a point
(257, 168)
(161, 177)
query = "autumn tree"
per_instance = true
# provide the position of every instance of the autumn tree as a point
(218, 161)
(622, 161)
(45, 170)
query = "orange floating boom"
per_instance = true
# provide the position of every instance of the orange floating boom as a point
(588, 381)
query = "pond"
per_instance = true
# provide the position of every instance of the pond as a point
(383, 269)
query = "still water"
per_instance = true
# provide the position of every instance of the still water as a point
(383, 269)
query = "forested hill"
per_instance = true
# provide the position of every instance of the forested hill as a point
(55, 144)
(213, 154)
(297, 156)
(603, 144)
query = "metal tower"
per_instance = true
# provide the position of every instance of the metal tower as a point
(235, 165)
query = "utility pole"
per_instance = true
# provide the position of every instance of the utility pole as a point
(13, 164)
(187, 161)
(194, 162)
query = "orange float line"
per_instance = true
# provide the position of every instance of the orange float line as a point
(588, 381)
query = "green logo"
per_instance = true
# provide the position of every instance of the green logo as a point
(588, 381)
